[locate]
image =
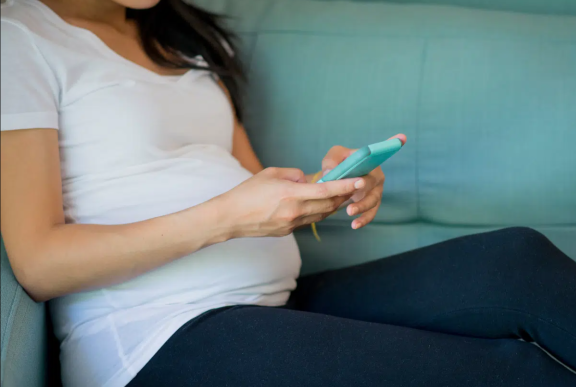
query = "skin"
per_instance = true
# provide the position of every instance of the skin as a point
(51, 258)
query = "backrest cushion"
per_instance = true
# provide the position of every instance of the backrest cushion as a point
(559, 7)
(487, 99)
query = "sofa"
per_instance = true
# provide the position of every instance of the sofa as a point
(484, 89)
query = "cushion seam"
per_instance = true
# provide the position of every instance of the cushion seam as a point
(338, 222)
(408, 36)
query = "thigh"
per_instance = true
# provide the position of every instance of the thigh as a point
(263, 346)
(508, 283)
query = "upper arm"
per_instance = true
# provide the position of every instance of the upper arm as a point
(241, 148)
(31, 190)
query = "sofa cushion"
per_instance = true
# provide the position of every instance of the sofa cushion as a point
(23, 331)
(340, 247)
(487, 99)
(560, 7)
(508, 109)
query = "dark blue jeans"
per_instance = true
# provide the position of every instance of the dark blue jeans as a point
(447, 315)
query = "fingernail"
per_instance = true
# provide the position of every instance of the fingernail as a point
(325, 172)
(352, 211)
(359, 184)
(356, 225)
(401, 137)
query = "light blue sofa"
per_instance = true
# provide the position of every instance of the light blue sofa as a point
(484, 89)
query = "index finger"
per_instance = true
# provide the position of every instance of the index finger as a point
(330, 189)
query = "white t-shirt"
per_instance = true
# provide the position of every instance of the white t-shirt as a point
(133, 145)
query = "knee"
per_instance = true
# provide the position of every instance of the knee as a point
(524, 234)
(514, 256)
(526, 244)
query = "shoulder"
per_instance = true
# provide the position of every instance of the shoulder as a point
(21, 12)
(26, 20)
(23, 56)
(28, 37)
(17, 41)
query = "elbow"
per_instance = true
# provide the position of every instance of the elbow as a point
(37, 295)
(32, 279)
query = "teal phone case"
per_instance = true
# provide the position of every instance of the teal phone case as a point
(364, 160)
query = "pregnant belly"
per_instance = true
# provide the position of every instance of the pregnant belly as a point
(237, 266)
(152, 189)
(239, 271)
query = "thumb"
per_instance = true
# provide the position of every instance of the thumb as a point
(335, 156)
(401, 137)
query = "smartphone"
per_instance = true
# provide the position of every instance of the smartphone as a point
(364, 160)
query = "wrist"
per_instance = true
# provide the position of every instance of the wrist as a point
(224, 220)
(209, 221)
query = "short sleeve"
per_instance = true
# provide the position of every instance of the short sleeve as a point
(29, 89)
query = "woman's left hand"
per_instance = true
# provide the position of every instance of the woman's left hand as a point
(366, 201)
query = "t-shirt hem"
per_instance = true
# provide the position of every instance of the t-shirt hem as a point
(29, 121)
(124, 376)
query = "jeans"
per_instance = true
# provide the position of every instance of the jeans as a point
(447, 315)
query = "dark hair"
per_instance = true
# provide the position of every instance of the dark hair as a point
(173, 32)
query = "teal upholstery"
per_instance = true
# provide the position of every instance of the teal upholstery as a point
(560, 7)
(23, 333)
(487, 98)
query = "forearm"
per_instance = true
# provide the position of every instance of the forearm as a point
(72, 258)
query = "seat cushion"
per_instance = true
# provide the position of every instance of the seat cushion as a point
(341, 247)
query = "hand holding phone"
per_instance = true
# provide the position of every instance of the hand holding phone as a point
(341, 163)
(364, 160)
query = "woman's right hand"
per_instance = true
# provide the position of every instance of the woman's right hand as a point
(277, 200)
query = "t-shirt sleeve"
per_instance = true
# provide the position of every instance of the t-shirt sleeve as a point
(29, 88)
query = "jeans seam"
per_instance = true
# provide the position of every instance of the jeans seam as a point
(443, 315)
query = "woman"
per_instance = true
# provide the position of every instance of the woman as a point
(128, 201)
